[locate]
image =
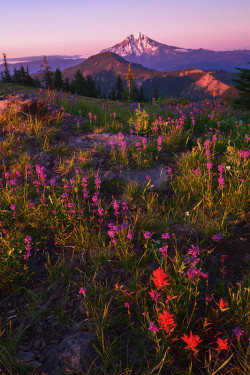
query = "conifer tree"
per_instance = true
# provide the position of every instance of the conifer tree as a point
(134, 96)
(119, 88)
(112, 95)
(243, 85)
(125, 95)
(129, 78)
(22, 75)
(58, 81)
(46, 73)
(90, 87)
(78, 85)
(98, 92)
(37, 83)
(141, 94)
(66, 85)
(156, 93)
(6, 77)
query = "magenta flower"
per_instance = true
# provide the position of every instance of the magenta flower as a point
(83, 291)
(154, 295)
(111, 233)
(238, 332)
(28, 247)
(165, 236)
(164, 251)
(153, 328)
(169, 170)
(18, 174)
(130, 234)
(209, 166)
(221, 181)
(221, 168)
(127, 305)
(217, 237)
(100, 211)
(147, 235)
(197, 171)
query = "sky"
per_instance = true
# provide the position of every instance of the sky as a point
(35, 27)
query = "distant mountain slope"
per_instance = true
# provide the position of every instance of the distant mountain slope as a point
(34, 62)
(191, 83)
(140, 49)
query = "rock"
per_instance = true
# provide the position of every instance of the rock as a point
(34, 365)
(24, 348)
(26, 357)
(21, 104)
(158, 177)
(76, 327)
(74, 352)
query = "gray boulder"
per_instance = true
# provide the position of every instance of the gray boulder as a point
(74, 352)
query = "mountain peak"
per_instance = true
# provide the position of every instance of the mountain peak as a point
(139, 48)
(139, 45)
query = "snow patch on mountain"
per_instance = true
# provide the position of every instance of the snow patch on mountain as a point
(139, 44)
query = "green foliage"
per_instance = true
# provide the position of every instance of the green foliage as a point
(243, 85)
(78, 84)
(47, 75)
(6, 77)
(58, 83)
(141, 118)
(119, 88)
(23, 78)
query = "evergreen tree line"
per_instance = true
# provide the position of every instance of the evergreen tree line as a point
(79, 85)
(87, 87)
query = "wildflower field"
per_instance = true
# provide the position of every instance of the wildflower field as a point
(157, 275)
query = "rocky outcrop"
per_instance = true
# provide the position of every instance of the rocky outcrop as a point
(74, 352)
(20, 104)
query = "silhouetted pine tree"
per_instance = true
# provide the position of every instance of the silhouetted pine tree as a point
(156, 93)
(125, 95)
(243, 85)
(90, 87)
(37, 83)
(134, 95)
(112, 95)
(78, 85)
(66, 85)
(98, 92)
(58, 81)
(46, 73)
(129, 79)
(141, 95)
(119, 88)
(22, 75)
(29, 81)
(6, 77)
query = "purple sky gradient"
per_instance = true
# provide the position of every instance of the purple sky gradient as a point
(34, 27)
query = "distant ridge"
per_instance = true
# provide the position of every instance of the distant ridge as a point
(191, 83)
(34, 62)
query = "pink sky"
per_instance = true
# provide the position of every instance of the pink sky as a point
(82, 27)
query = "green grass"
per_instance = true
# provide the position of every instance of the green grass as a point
(106, 235)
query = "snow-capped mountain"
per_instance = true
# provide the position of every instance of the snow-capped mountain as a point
(140, 49)
(139, 45)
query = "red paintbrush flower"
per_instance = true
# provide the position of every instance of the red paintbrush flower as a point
(166, 321)
(160, 278)
(222, 305)
(192, 341)
(222, 344)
